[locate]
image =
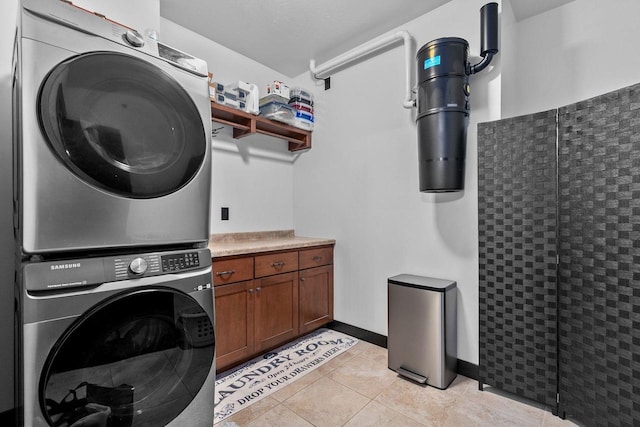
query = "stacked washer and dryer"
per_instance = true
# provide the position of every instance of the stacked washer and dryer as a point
(112, 176)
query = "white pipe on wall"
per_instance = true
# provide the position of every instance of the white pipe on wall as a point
(370, 47)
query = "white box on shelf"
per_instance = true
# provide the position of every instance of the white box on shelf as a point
(278, 88)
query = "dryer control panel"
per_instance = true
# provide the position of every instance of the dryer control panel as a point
(69, 15)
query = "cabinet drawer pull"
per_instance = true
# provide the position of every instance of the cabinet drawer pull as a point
(317, 258)
(277, 264)
(225, 273)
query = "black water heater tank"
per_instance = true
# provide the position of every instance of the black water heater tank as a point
(443, 113)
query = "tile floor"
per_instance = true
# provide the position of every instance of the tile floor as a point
(356, 388)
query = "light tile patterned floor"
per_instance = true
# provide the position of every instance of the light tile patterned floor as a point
(357, 389)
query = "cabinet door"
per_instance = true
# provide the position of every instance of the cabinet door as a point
(276, 310)
(234, 315)
(316, 297)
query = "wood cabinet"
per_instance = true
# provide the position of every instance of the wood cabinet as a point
(316, 257)
(316, 298)
(232, 270)
(267, 299)
(234, 308)
(281, 262)
(276, 310)
(316, 287)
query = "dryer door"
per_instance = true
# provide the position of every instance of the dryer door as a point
(138, 359)
(122, 124)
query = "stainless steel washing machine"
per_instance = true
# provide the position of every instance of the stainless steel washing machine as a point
(118, 341)
(113, 135)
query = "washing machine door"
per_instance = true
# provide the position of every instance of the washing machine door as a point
(122, 124)
(137, 359)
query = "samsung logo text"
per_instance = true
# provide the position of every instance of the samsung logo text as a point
(66, 266)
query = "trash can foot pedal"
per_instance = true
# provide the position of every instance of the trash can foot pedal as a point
(412, 375)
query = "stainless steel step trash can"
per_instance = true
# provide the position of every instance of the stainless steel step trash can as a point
(422, 329)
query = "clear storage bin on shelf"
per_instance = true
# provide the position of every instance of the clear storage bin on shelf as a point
(273, 98)
(278, 111)
(301, 93)
(303, 124)
(302, 106)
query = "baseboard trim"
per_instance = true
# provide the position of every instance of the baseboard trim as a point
(468, 369)
(8, 418)
(361, 334)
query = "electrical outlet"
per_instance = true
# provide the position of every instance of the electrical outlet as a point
(224, 214)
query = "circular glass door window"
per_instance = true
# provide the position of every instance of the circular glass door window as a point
(122, 124)
(135, 360)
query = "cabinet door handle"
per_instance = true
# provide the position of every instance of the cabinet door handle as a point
(225, 273)
(302, 279)
(317, 258)
(258, 289)
(250, 291)
(277, 264)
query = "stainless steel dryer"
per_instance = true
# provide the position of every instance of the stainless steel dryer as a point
(119, 341)
(113, 135)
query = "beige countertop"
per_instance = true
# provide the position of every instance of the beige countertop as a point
(229, 244)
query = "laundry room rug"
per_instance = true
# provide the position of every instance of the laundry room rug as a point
(240, 387)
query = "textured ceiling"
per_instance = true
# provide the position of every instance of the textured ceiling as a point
(286, 34)
(523, 9)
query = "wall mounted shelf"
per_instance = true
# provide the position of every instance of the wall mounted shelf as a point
(245, 124)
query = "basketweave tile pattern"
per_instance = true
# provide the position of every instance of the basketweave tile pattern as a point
(517, 214)
(599, 275)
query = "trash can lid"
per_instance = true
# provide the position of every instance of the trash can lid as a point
(421, 282)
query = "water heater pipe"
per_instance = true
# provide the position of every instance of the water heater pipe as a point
(374, 45)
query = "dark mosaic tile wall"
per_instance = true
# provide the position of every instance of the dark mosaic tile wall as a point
(517, 208)
(599, 185)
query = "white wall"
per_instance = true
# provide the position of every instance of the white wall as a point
(359, 182)
(253, 176)
(583, 49)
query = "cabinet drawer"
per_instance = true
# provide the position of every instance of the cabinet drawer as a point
(268, 265)
(316, 257)
(232, 270)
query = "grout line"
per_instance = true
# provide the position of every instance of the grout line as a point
(357, 412)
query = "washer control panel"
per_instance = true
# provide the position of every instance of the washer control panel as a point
(58, 275)
(180, 261)
(138, 266)
(153, 264)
